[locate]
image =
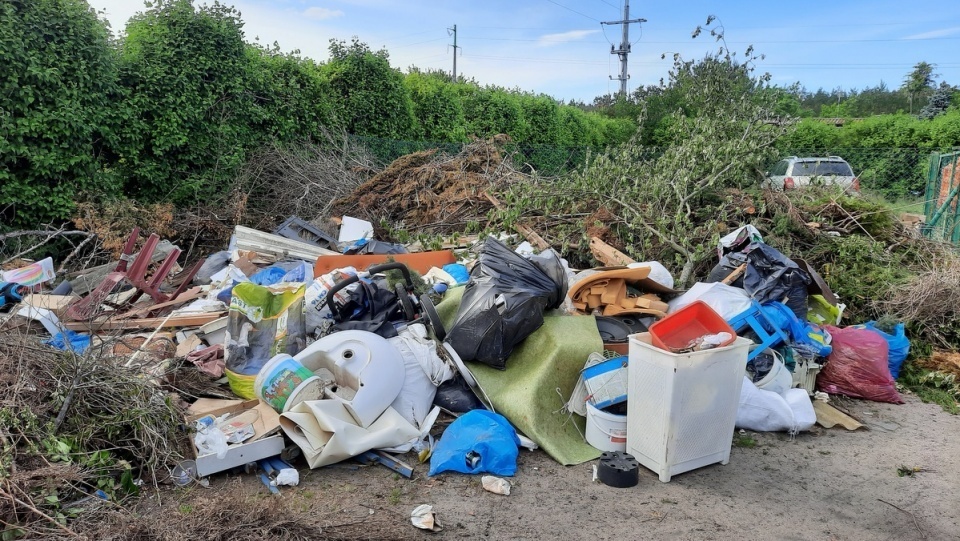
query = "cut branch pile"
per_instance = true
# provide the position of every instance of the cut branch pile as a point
(432, 192)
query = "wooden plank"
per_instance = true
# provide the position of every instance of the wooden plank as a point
(607, 255)
(187, 296)
(188, 320)
(829, 416)
(737, 272)
(529, 234)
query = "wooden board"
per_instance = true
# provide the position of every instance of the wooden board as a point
(829, 416)
(189, 320)
(607, 255)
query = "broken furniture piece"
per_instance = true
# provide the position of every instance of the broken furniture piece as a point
(294, 228)
(90, 306)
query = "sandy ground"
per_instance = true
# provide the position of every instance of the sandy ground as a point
(822, 485)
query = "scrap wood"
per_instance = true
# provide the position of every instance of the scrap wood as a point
(737, 272)
(829, 416)
(186, 320)
(529, 234)
(608, 255)
(186, 296)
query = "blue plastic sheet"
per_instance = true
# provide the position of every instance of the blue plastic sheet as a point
(898, 342)
(480, 441)
(70, 341)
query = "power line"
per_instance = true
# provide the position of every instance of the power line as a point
(573, 10)
(625, 45)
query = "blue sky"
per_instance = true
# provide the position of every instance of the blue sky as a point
(559, 47)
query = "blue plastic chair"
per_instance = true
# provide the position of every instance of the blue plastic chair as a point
(757, 320)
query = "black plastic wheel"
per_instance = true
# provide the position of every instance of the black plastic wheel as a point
(433, 317)
(409, 313)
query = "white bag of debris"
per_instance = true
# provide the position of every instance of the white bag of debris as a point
(767, 411)
(425, 371)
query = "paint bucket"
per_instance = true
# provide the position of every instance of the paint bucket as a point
(778, 379)
(606, 431)
(284, 382)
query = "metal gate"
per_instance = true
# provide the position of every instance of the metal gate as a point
(942, 207)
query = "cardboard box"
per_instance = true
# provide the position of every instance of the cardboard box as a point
(267, 440)
(55, 303)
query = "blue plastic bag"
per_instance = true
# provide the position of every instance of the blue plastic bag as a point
(803, 336)
(268, 276)
(480, 441)
(458, 272)
(898, 342)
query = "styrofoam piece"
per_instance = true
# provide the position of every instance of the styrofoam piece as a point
(682, 407)
(46, 317)
(354, 229)
(364, 362)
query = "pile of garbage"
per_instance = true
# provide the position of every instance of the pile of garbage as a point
(300, 349)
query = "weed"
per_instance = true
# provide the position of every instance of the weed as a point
(744, 441)
(824, 452)
(395, 495)
(908, 471)
(185, 509)
(932, 386)
(668, 501)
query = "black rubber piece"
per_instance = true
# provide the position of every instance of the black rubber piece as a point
(619, 470)
(409, 312)
(433, 317)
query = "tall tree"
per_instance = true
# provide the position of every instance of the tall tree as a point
(918, 80)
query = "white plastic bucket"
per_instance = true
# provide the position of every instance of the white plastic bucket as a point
(283, 382)
(606, 431)
(778, 380)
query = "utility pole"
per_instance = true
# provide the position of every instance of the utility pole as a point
(453, 31)
(624, 49)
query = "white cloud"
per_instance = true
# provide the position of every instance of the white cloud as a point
(320, 14)
(943, 32)
(547, 40)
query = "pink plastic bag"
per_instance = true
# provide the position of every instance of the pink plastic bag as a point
(857, 366)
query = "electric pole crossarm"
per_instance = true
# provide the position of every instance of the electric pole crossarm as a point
(624, 49)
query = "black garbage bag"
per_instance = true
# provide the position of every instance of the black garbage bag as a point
(370, 308)
(455, 395)
(727, 264)
(504, 302)
(771, 276)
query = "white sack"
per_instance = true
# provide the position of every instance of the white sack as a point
(728, 301)
(424, 369)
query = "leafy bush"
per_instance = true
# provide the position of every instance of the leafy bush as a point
(56, 86)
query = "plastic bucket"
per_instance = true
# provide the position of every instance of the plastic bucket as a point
(778, 380)
(606, 431)
(241, 384)
(284, 382)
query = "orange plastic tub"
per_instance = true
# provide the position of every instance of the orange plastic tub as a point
(676, 331)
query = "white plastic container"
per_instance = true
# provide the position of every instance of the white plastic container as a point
(805, 375)
(778, 380)
(606, 431)
(682, 407)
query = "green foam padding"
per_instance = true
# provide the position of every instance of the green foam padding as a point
(526, 391)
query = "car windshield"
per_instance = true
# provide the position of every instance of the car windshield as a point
(810, 169)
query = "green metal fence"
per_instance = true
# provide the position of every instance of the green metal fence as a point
(942, 208)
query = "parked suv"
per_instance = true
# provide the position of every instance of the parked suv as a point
(794, 172)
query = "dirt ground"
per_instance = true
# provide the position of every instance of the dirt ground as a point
(822, 485)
